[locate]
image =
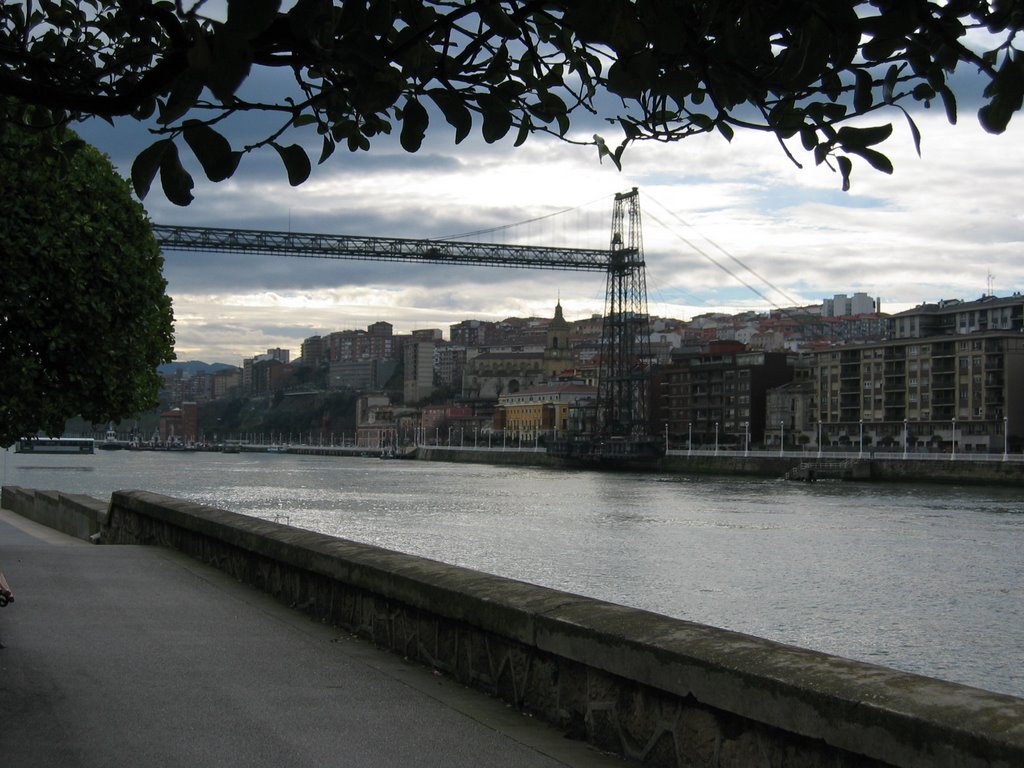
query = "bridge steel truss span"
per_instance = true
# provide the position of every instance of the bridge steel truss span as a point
(624, 371)
(354, 248)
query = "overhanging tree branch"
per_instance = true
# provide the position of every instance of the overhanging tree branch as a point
(670, 69)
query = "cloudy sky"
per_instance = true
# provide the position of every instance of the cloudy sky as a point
(947, 225)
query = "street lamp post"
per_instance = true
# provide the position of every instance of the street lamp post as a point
(819, 438)
(782, 437)
(952, 455)
(860, 454)
(689, 438)
(906, 438)
(716, 438)
(1006, 438)
(746, 438)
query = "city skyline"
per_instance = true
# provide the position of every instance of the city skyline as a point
(947, 225)
(829, 307)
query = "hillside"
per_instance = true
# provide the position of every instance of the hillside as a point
(192, 367)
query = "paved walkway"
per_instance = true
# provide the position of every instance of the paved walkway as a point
(125, 655)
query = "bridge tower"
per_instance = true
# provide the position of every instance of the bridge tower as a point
(623, 398)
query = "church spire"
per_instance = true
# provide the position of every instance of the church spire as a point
(558, 312)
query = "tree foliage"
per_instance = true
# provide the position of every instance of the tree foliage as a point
(84, 318)
(659, 70)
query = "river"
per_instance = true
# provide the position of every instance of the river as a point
(927, 579)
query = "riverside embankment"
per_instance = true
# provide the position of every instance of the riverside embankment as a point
(921, 468)
(657, 690)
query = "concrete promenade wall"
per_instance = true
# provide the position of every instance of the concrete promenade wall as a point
(660, 691)
(75, 515)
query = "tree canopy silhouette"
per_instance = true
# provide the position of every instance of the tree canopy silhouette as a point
(84, 318)
(661, 70)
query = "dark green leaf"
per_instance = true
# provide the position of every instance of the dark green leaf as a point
(915, 132)
(497, 119)
(212, 150)
(499, 23)
(296, 162)
(862, 91)
(454, 110)
(949, 102)
(145, 166)
(889, 84)
(414, 125)
(603, 152)
(877, 160)
(923, 92)
(181, 99)
(523, 134)
(230, 65)
(1006, 94)
(995, 116)
(808, 137)
(176, 181)
(702, 121)
(328, 149)
(563, 124)
(845, 167)
(864, 137)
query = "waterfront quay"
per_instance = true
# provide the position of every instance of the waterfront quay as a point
(196, 621)
(807, 465)
(142, 656)
(967, 469)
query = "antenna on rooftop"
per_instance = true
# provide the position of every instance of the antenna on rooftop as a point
(991, 280)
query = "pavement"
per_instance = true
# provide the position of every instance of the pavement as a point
(132, 655)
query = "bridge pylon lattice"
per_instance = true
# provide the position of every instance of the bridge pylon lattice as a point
(624, 374)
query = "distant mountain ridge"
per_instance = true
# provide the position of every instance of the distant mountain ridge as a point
(192, 367)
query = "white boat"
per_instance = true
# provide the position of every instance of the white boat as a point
(63, 445)
(111, 443)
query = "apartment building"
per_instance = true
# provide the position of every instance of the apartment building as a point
(419, 381)
(717, 394)
(926, 392)
(842, 305)
(952, 373)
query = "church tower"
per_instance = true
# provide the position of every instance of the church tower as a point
(557, 356)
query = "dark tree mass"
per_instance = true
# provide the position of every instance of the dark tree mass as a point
(84, 318)
(659, 70)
